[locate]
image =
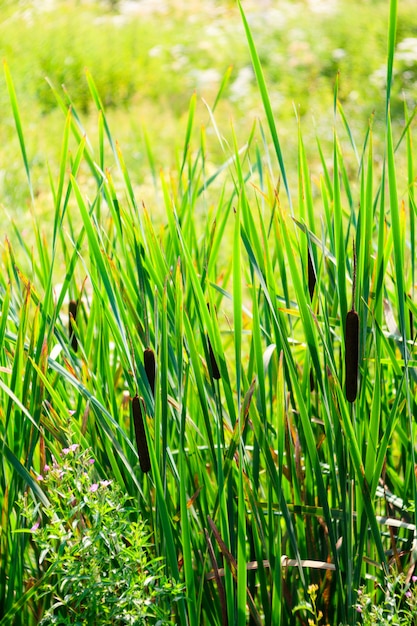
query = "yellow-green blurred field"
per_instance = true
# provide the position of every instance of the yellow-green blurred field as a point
(148, 58)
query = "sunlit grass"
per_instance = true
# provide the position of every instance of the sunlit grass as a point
(264, 478)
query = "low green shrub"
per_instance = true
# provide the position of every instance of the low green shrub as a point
(95, 556)
(399, 604)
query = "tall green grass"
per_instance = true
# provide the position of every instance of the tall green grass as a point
(264, 479)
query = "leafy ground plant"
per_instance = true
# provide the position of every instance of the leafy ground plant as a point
(315, 616)
(399, 605)
(95, 557)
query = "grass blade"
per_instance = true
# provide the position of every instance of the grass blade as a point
(265, 100)
(18, 124)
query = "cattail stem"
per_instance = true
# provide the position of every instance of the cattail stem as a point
(150, 367)
(354, 275)
(140, 434)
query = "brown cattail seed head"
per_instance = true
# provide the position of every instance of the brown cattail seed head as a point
(150, 367)
(352, 354)
(214, 368)
(215, 372)
(140, 434)
(411, 318)
(72, 309)
(311, 275)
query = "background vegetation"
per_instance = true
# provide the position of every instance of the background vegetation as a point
(147, 59)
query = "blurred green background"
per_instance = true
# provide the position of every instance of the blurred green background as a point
(148, 58)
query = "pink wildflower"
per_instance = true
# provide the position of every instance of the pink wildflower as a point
(72, 448)
(94, 487)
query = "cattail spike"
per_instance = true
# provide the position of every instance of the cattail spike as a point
(150, 367)
(410, 316)
(311, 275)
(72, 308)
(351, 354)
(214, 368)
(141, 442)
(215, 372)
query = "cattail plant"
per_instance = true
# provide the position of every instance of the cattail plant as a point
(150, 367)
(311, 275)
(140, 434)
(352, 343)
(411, 317)
(214, 368)
(72, 309)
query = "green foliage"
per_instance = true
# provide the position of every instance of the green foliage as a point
(94, 555)
(398, 606)
(310, 607)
